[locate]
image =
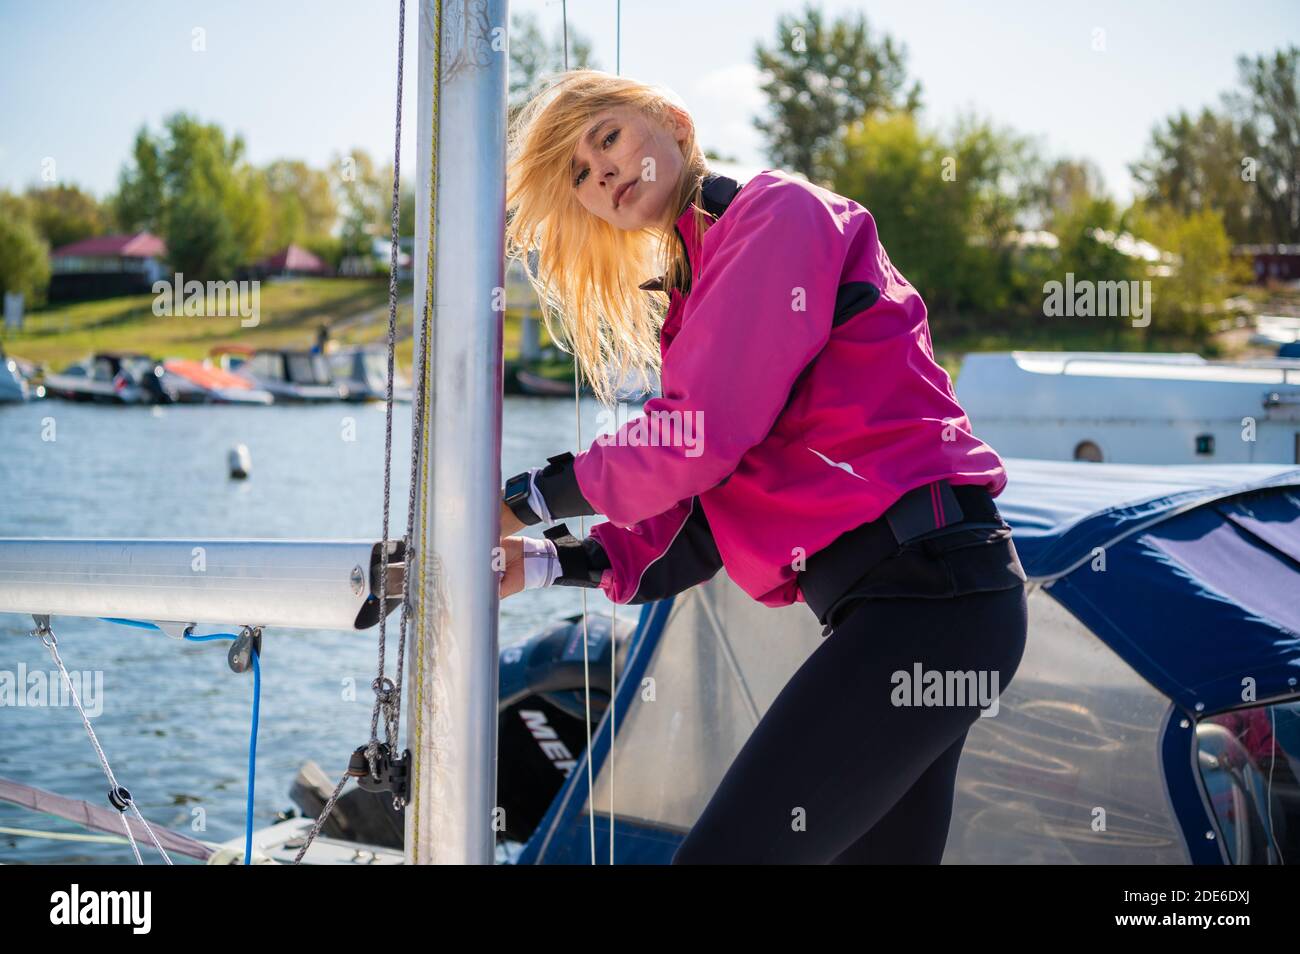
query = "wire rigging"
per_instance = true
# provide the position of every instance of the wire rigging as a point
(613, 615)
(388, 692)
(254, 654)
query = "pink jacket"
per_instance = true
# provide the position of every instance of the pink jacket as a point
(803, 360)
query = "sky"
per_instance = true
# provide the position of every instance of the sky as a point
(313, 78)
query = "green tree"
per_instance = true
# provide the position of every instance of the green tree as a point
(1194, 165)
(301, 203)
(1269, 109)
(139, 202)
(1062, 185)
(944, 209)
(64, 214)
(24, 255)
(1242, 162)
(194, 185)
(1084, 249)
(364, 201)
(201, 241)
(1188, 295)
(821, 77)
(405, 204)
(533, 57)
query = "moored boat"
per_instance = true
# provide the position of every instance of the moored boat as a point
(363, 371)
(292, 376)
(14, 386)
(1134, 408)
(216, 385)
(109, 377)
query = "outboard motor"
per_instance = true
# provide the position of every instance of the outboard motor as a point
(540, 735)
(540, 731)
(151, 382)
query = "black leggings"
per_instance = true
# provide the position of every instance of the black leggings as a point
(836, 771)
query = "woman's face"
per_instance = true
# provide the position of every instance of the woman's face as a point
(626, 166)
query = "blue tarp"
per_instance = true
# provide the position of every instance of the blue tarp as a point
(1191, 574)
(1061, 510)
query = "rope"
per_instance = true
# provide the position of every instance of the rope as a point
(320, 819)
(252, 740)
(252, 736)
(388, 692)
(385, 690)
(119, 797)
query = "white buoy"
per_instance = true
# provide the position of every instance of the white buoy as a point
(241, 462)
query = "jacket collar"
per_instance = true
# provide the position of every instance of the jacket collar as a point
(716, 193)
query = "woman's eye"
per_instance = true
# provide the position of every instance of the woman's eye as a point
(605, 144)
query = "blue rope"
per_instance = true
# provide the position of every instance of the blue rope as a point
(252, 738)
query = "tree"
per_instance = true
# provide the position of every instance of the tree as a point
(194, 185)
(1242, 162)
(1195, 165)
(364, 199)
(138, 205)
(943, 209)
(201, 242)
(532, 57)
(24, 256)
(302, 207)
(1269, 111)
(1186, 299)
(64, 214)
(820, 78)
(1062, 185)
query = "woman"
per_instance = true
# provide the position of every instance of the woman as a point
(806, 440)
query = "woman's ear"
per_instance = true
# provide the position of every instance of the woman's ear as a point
(680, 123)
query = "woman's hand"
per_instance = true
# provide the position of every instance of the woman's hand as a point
(509, 522)
(512, 580)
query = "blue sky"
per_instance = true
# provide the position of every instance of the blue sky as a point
(308, 79)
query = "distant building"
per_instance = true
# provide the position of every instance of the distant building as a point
(107, 265)
(1272, 263)
(377, 262)
(292, 262)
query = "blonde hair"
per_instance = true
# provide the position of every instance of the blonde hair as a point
(587, 272)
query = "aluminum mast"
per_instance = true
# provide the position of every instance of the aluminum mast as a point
(451, 681)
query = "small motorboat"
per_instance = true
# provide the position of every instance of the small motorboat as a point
(109, 377)
(292, 376)
(215, 385)
(14, 386)
(363, 370)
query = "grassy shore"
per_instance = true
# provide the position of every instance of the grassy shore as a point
(290, 312)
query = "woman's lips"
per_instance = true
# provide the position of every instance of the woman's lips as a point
(623, 191)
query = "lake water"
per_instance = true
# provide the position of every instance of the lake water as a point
(175, 719)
